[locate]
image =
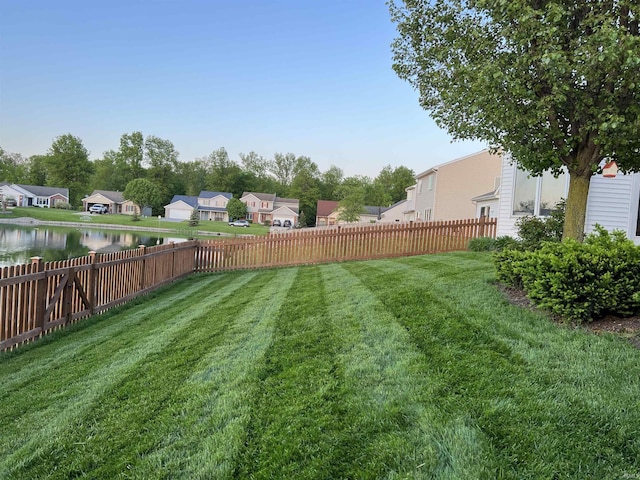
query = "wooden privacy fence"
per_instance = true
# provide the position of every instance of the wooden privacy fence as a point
(39, 297)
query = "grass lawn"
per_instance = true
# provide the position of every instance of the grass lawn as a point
(59, 215)
(403, 368)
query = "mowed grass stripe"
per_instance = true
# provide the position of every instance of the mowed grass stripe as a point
(543, 395)
(298, 418)
(213, 406)
(74, 342)
(68, 424)
(396, 429)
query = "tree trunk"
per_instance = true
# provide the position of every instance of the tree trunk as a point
(576, 211)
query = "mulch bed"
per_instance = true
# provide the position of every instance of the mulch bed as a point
(627, 327)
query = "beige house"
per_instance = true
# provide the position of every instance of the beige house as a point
(267, 207)
(447, 191)
(114, 201)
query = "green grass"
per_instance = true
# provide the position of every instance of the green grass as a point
(404, 368)
(59, 215)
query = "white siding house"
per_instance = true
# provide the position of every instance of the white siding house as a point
(612, 202)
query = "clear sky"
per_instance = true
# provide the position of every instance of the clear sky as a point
(311, 77)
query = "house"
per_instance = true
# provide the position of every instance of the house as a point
(34, 195)
(445, 192)
(115, 203)
(612, 202)
(324, 209)
(210, 206)
(327, 212)
(394, 213)
(487, 204)
(267, 207)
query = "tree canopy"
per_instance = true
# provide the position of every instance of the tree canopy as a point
(236, 209)
(143, 192)
(68, 165)
(554, 82)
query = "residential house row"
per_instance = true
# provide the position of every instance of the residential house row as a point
(261, 207)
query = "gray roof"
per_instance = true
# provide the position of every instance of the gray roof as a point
(115, 197)
(373, 210)
(493, 195)
(207, 194)
(189, 200)
(45, 191)
(267, 197)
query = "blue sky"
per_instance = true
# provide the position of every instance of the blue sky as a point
(312, 77)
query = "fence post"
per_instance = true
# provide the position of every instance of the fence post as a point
(67, 294)
(93, 282)
(142, 268)
(37, 265)
(173, 258)
(481, 223)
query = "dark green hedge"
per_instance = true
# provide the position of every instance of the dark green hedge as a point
(578, 281)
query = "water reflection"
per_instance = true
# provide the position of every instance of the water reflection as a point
(18, 244)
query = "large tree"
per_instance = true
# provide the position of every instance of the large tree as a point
(162, 160)
(554, 82)
(394, 181)
(68, 166)
(144, 193)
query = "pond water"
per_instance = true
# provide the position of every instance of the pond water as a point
(19, 243)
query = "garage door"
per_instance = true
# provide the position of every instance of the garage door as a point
(178, 214)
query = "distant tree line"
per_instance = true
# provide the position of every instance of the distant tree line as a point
(67, 164)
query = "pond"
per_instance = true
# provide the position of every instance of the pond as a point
(19, 243)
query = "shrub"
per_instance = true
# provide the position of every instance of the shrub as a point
(194, 219)
(578, 281)
(508, 263)
(533, 231)
(482, 244)
(505, 242)
(63, 205)
(135, 217)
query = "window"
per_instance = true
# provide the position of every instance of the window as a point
(420, 186)
(427, 215)
(552, 191)
(524, 193)
(537, 195)
(430, 182)
(485, 211)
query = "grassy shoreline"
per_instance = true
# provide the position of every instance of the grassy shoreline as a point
(52, 216)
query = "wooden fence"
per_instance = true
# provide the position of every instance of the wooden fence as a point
(38, 297)
(364, 242)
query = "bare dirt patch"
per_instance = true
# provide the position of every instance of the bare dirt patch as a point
(627, 327)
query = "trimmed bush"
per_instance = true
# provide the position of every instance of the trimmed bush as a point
(63, 206)
(578, 281)
(482, 244)
(506, 242)
(533, 231)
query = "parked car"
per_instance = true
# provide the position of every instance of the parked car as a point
(287, 224)
(98, 208)
(10, 202)
(239, 223)
(277, 223)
